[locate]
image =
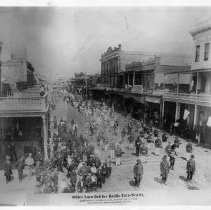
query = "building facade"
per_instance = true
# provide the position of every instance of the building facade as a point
(139, 85)
(113, 65)
(24, 113)
(191, 97)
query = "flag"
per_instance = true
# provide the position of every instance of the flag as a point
(209, 121)
(186, 113)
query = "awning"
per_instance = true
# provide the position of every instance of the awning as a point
(152, 99)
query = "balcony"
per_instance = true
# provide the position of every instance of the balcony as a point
(23, 106)
(198, 99)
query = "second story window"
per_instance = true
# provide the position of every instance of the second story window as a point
(197, 53)
(206, 51)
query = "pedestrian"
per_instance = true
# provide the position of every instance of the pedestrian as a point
(54, 122)
(112, 148)
(189, 148)
(20, 167)
(138, 144)
(131, 140)
(75, 129)
(118, 154)
(138, 173)
(168, 148)
(164, 137)
(164, 169)
(190, 168)
(29, 162)
(99, 177)
(129, 128)
(8, 170)
(172, 156)
(177, 141)
(123, 135)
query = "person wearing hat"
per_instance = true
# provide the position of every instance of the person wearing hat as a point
(29, 162)
(130, 140)
(138, 144)
(8, 169)
(138, 173)
(20, 166)
(118, 154)
(190, 168)
(164, 169)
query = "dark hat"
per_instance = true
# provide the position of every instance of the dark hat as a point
(165, 156)
(138, 160)
(192, 156)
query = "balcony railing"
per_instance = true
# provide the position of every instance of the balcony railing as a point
(202, 98)
(23, 104)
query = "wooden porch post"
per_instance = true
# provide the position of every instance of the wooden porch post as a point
(45, 137)
(195, 115)
(134, 76)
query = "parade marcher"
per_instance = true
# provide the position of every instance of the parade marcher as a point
(138, 144)
(168, 148)
(131, 140)
(138, 172)
(112, 147)
(164, 169)
(144, 149)
(8, 170)
(29, 162)
(189, 148)
(190, 168)
(172, 156)
(80, 185)
(93, 169)
(99, 177)
(177, 141)
(158, 145)
(75, 128)
(123, 135)
(118, 155)
(164, 137)
(20, 166)
(54, 122)
(129, 128)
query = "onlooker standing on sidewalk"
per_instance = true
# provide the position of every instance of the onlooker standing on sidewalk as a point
(29, 162)
(8, 169)
(20, 167)
(190, 168)
(138, 173)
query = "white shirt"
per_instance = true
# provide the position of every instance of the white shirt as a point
(29, 161)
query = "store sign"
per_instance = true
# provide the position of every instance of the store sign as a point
(152, 99)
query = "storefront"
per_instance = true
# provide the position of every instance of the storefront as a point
(153, 109)
(204, 123)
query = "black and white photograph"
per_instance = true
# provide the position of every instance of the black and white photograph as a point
(105, 105)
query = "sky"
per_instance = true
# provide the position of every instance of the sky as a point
(61, 41)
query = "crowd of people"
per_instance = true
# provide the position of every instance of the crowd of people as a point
(132, 133)
(76, 162)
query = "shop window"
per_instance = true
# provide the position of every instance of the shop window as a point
(206, 51)
(197, 53)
